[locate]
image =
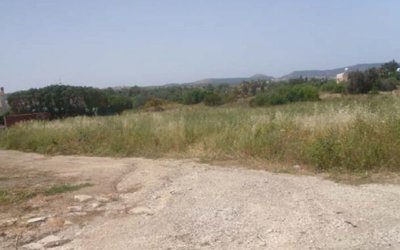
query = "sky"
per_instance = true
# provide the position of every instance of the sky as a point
(149, 42)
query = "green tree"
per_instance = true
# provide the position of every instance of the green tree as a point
(388, 69)
(194, 96)
(358, 83)
(253, 88)
(244, 88)
(212, 99)
(372, 78)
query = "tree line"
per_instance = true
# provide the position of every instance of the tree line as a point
(384, 78)
(64, 101)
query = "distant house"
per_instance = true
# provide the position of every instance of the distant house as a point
(343, 77)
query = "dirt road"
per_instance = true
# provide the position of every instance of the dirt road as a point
(180, 204)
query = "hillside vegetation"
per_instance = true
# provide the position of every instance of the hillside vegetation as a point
(67, 101)
(345, 134)
(285, 122)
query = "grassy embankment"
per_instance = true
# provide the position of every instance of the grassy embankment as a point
(349, 134)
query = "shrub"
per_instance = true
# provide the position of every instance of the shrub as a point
(7, 196)
(154, 102)
(63, 188)
(302, 93)
(369, 82)
(388, 84)
(140, 101)
(333, 87)
(286, 94)
(193, 96)
(212, 99)
(358, 83)
(117, 104)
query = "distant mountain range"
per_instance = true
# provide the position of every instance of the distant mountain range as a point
(233, 81)
(330, 74)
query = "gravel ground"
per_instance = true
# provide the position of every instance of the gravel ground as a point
(181, 204)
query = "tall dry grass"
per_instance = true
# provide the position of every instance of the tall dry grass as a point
(354, 134)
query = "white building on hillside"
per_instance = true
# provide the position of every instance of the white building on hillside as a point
(343, 77)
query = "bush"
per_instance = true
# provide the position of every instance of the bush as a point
(212, 99)
(117, 104)
(388, 84)
(302, 93)
(154, 102)
(193, 96)
(63, 188)
(140, 101)
(333, 87)
(286, 94)
(358, 83)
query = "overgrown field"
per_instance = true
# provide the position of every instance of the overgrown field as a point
(348, 133)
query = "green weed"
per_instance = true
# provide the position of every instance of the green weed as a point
(7, 197)
(63, 188)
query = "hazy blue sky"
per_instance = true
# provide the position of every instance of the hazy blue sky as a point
(111, 43)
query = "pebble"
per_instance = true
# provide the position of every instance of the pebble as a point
(77, 214)
(103, 199)
(297, 167)
(95, 205)
(52, 241)
(75, 209)
(36, 220)
(33, 246)
(68, 223)
(140, 210)
(82, 198)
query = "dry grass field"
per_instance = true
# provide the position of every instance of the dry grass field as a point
(336, 134)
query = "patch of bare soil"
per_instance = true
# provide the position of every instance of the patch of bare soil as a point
(136, 203)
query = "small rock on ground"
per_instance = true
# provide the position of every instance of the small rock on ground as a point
(52, 241)
(36, 220)
(82, 198)
(33, 246)
(140, 210)
(75, 209)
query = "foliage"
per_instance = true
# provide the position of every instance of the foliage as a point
(383, 79)
(194, 96)
(389, 84)
(7, 197)
(65, 101)
(212, 99)
(63, 188)
(358, 84)
(333, 87)
(117, 104)
(154, 102)
(62, 101)
(389, 69)
(286, 94)
(19, 195)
